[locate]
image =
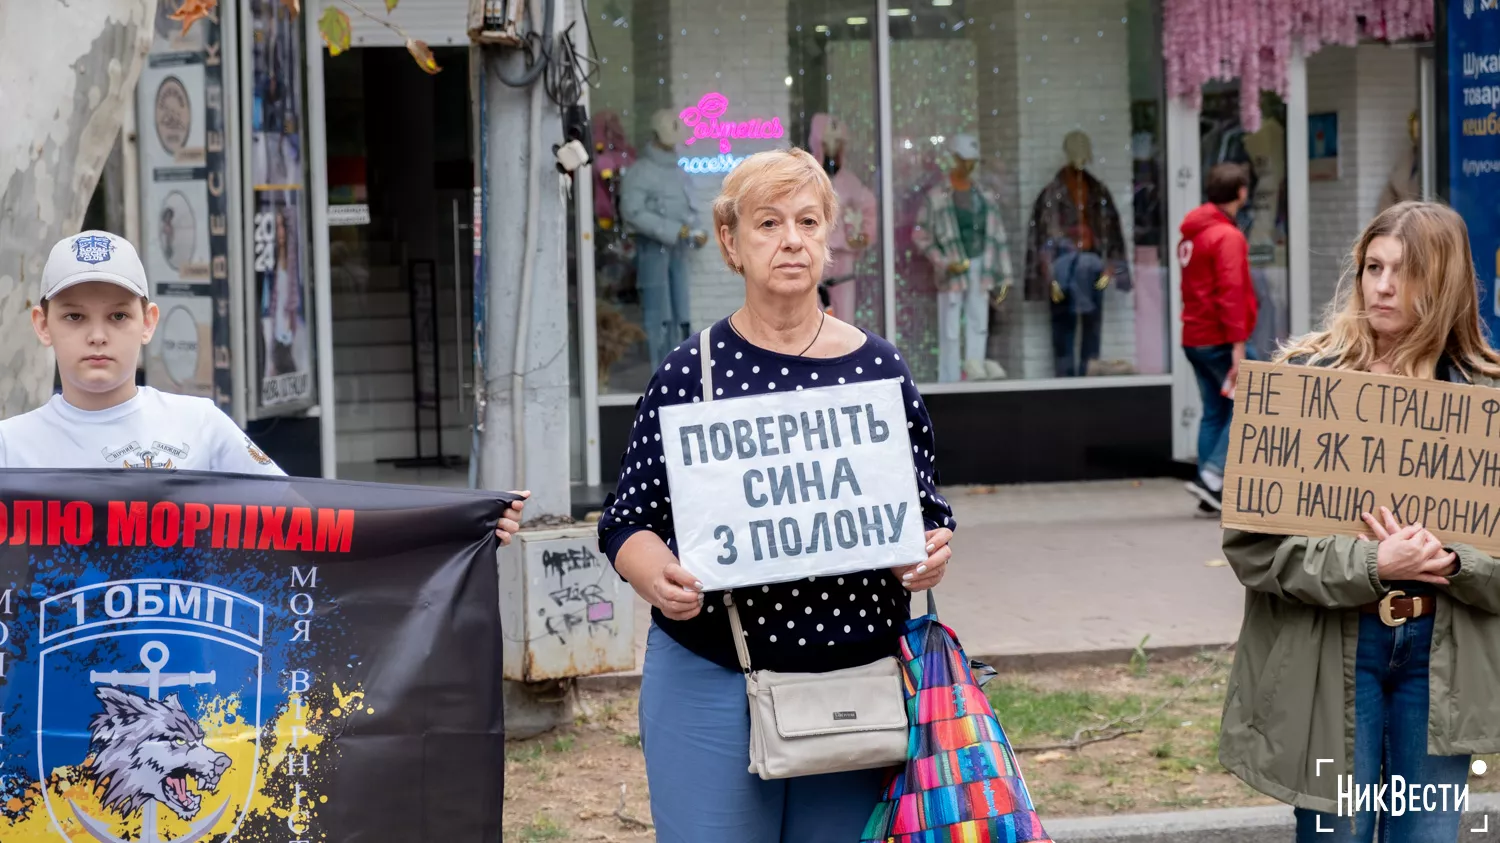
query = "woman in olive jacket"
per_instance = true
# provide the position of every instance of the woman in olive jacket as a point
(1320, 671)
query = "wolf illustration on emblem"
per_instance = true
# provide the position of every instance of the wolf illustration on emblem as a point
(147, 750)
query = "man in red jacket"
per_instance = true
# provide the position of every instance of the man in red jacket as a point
(1218, 316)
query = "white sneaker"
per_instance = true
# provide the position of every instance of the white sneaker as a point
(994, 371)
(974, 370)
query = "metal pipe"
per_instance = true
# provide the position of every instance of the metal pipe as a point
(317, 138)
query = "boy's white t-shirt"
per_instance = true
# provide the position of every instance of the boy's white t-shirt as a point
(152, 430)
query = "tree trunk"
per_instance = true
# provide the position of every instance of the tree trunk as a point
(68, 70)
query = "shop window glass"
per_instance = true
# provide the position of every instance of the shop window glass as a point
(1028, 174)
(686, 89)
(1221, 139)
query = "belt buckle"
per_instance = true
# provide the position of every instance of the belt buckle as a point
(1385, 609)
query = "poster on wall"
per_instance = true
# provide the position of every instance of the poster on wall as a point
(1474, 140)
(185, 206)
(283, 380)
(193, 657)
(1323, 146)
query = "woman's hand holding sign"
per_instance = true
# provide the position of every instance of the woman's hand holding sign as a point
(652, 570)
(925, 575)
(1410, 552)
(675, 592)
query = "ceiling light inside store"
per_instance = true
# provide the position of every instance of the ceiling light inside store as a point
(942, 2)
(857, 21)
(789, 81)
(820, 28)
(899, 13)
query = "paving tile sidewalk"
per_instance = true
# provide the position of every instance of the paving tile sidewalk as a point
(1068, 570)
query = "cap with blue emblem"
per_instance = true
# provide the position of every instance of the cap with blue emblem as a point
(93, 256)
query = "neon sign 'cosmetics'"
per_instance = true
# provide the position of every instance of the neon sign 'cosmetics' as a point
(703, 119)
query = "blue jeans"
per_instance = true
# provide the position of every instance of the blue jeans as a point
(1390, 734)
(695, 730)
(661, 276)
(1211, 364)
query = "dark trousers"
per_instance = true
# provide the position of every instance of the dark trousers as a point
(1070, 352)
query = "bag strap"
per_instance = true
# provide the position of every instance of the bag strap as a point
(741, 649)
(708, 364)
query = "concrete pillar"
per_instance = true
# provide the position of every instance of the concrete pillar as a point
(514, 170)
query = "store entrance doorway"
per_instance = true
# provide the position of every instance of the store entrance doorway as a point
(400, 195)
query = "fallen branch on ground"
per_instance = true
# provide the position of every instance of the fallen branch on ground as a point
(1122, 726)
(627, 819)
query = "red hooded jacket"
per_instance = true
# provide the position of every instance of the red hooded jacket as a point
(1218, 298)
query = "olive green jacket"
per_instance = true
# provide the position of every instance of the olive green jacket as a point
(1290, 699)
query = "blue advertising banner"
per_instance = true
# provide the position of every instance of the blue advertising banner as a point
(188, 657)
(1474, 140)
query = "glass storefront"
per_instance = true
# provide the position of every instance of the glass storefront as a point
(1026, 155)
(1264, 218)
(685, 91)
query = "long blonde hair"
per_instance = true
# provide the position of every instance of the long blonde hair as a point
(1438, 286)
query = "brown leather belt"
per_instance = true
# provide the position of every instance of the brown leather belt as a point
(1396, 608)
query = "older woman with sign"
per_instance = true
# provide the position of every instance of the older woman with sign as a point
(1366, 665)
(809, 491)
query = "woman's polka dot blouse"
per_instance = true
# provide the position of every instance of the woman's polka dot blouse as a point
(817, 624)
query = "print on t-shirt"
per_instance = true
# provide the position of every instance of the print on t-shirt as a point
(158, 456)
(255, 453)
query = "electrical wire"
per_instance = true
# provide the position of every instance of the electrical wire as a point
(538, 50)
(569, 70)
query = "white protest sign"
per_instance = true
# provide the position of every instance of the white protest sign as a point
(781, 486)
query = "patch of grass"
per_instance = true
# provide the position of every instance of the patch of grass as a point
(1140, 660)
(1060, 791)
(631, 739)
(1028, 713)
(524, 753)
(562, 743)
(1162, 750)
(542, 828)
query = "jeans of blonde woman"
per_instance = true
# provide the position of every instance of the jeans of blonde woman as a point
(695, 731)
(965, 312)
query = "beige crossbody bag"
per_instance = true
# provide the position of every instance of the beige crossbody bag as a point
(807, 724)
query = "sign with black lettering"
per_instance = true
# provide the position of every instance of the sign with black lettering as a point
(787, 485)
(187, 656)
(1312, 449)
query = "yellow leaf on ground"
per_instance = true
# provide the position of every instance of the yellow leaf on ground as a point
(390, 5)
(1216, 563)
(1054, 755)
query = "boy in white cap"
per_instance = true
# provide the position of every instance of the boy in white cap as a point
(95, 312)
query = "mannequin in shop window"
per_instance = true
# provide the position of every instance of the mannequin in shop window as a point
(1075, 249)
(959, 231)
(847, 243)
(1405, 181)
(658, 208)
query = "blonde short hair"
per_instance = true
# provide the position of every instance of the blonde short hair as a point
(767, 177)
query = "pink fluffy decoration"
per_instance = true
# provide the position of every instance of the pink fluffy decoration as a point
(1251, 40)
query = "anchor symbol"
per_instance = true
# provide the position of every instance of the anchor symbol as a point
(154, 657)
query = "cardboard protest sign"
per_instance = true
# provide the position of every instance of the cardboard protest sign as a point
(1312, 449)
(778, 487)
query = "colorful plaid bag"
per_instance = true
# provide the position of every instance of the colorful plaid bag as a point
(960, 783)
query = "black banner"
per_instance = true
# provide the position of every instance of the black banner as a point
(189, 657)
